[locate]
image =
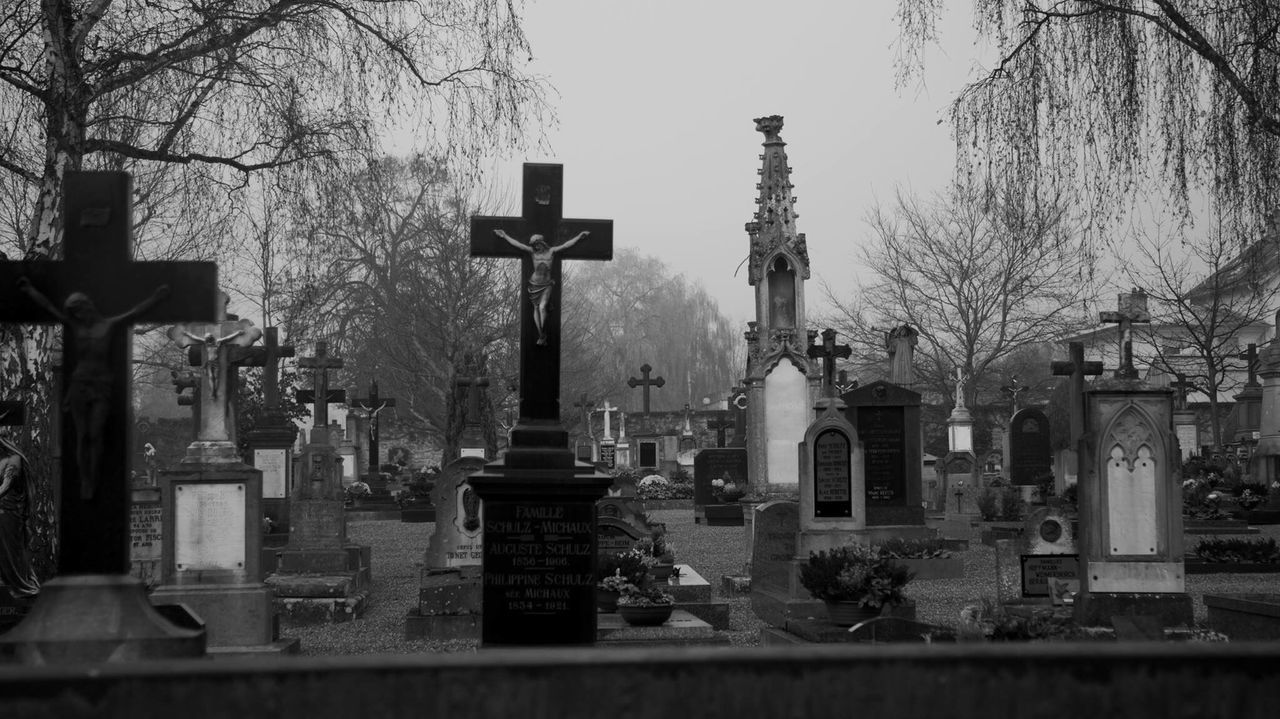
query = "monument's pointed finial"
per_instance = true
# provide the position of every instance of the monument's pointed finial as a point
(774, 221)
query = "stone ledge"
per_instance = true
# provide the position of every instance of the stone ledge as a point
(301, 611)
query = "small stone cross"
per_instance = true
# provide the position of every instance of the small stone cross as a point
(1181, 385)
(646, 383)
(1131, 308)
(829, 351)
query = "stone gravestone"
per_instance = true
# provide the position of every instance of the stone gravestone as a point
(1042, 565)
(1030, 449)
(887, 419)
(146, 535)
(775, 578)
(97, 292)
(540, 534)
(729, 464)
(449, 591)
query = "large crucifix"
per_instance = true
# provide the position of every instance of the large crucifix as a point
(829, 351)
(1013, 389)
(96, 277)
(1131, 309)
(373, 406)
(267, 356)
(541, 237)
(585, 406)
(646, 383)
(720, 423)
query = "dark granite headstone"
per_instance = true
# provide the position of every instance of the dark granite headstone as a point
(539, 560)
(775, 541)
(712, 464)
(616, 535)
(887, 418)
(1030, 455)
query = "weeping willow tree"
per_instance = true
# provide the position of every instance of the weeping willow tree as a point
(219, 89)
(1114, 99)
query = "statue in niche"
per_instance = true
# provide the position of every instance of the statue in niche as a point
(541, 281)
(782, 295)
(88, 397)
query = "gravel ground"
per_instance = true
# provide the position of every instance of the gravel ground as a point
(712, 551)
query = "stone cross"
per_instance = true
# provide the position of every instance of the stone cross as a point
(646, 383)
(1077, 369)
(471, 386)
(1013, 389)
(373, 405)
(188, 380)
(320, 394)
(1181, 385)
(605, 410)
(541, 237)
(1250, 356)
(267, 356)
(585, 406)
(96, 278)
(720, 424)
(1131, 308)
(829, 351)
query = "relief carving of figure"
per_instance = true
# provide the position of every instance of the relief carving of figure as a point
(540, 282)
(88, 397)
(17, 493)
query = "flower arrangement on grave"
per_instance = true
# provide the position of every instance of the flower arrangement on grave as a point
(639, 596)
(614, 582)
(1248, 500)
(899, 548)
(357, 490)
(726, 490)
(1201, 498)
(855, 573)
(1235, 550)
(633, 565)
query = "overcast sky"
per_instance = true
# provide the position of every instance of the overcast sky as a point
(655, 102)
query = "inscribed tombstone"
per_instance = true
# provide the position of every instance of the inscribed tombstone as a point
(729, 464)
(459, 531)
(1030, 453)
(774, 545)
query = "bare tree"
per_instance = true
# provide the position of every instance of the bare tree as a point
(1101, 96)
(978, 276)
(1207, 297)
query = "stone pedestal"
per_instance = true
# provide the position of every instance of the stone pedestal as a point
(271, 452)
(321, 577)
(211, 552)
(1130, 508)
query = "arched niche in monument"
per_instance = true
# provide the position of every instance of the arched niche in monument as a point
(782, 294)
(1133, 453)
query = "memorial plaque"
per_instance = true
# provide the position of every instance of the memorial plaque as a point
(608, 455)
(729, 464)
(1050, 575)
(209, 526)
(538, 569)
(648, 454)
(275, 477)
(832, 475)
(881, 430)
(146, 518)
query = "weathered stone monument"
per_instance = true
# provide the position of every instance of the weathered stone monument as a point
(781, 384)
(93, 611)
(1130, 496)
(320, 576)
(1042, 566)
(539, 502)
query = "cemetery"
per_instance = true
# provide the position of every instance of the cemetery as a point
(314, 428)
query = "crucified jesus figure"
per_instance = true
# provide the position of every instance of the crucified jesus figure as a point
(211, 345)
(88, 398)
(541, 281)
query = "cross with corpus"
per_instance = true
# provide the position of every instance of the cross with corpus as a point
(1013, 389)
(585, 406)
(471, 387)
(1250, 356)
(96, 292)
(632, 382)
(541, 237)
(1076, 368)
(843, 384)
(720, 424)
(1131, 308)
(1181, 385)
(373, 405)
(829, 351)
(320, 394)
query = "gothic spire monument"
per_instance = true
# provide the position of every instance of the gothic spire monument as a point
(781, 381)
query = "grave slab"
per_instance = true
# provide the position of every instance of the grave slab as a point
(682, 629)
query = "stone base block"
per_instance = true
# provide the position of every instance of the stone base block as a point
(280, 647)
(1245, 616)
(300, 611)
(714, 613)
(312, 586)
(448, 593)
(441, 626)
(682, 629)
(1096, 609)
(879, 533)
(234, 615)
(735, 584)
(776, 609)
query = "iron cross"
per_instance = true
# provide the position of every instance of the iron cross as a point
(829, 351)
(373, 405)
(1076, 368)
(321, 395)
(541, 237)
(632, 382)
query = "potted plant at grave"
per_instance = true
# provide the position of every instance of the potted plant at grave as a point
(662, 554)
(645, 606)
(630, 566)
(855, 581)
(609, 589)
(725, 490)
(356, 492)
